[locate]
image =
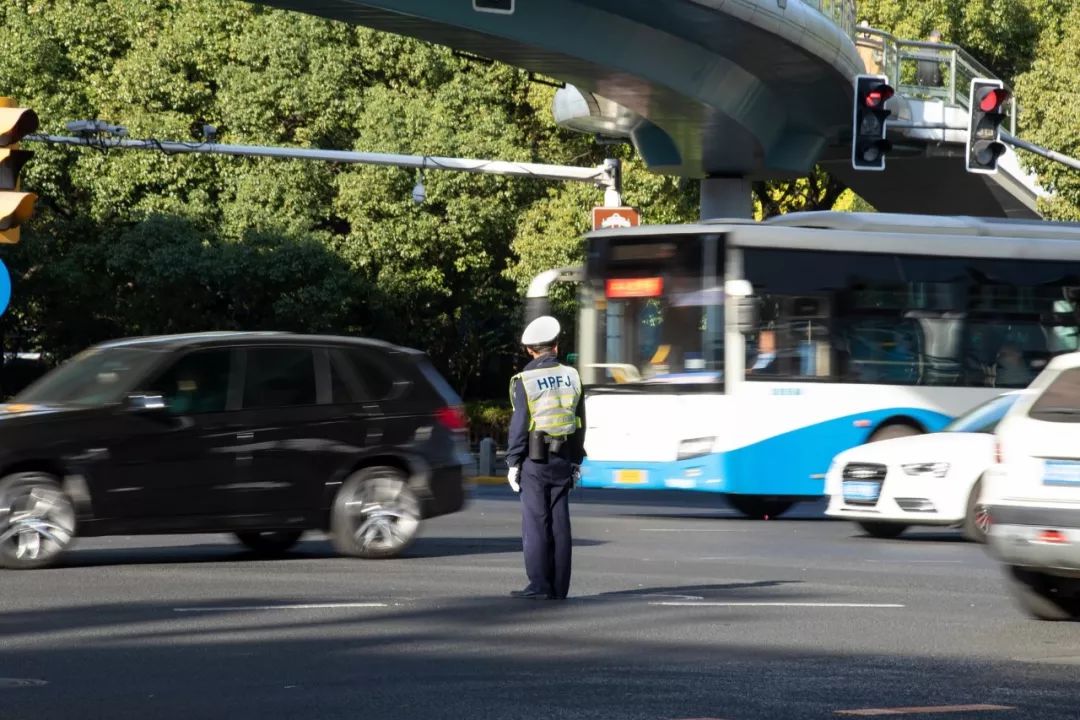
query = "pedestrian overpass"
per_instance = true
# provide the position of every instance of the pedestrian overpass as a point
(729, 91)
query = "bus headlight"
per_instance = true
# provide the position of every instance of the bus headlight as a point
(938, 469)
(696, 447)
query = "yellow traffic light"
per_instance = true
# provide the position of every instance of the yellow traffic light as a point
(15, 207)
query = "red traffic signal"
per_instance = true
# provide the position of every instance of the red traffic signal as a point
(993, 98)
(986, 107)
(878, 96)
(868, 143)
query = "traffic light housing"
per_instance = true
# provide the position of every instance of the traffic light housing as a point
(984, 146)
(868, 143)
(16, 207)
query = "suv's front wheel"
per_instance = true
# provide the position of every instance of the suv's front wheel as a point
(37, 520)
(376, 514)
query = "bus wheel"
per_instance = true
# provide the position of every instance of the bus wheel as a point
(896, 430)
(757, 507)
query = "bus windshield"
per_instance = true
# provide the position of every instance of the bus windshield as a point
(825, 315)
(660, 317)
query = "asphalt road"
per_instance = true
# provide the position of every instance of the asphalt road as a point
(679, 609)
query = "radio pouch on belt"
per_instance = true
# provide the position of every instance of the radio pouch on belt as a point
(538, 446)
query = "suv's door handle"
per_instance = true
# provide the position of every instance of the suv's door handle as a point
(245, 435)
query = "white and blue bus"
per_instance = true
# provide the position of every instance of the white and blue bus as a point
(739, 357)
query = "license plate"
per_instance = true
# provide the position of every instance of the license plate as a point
(1061, 472)
(861, 491)
(631, 477)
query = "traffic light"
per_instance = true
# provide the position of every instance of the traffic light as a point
(868, 143)
(15, 207)
(984, 145)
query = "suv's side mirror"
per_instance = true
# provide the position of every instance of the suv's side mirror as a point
(143, 402)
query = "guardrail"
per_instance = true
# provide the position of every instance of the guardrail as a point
(841, 12)
(926, 70)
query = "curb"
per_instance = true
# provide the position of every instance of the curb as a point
(487, 480)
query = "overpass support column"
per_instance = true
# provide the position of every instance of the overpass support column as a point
(723, 197)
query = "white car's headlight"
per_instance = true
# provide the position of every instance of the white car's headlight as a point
(696, 447)
(934, 469)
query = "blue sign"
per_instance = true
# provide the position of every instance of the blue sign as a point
(5, 287)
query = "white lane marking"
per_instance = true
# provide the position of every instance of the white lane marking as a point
(690, 530)
(778, 604)
(250, 608)
(913, 562)
(925, 710)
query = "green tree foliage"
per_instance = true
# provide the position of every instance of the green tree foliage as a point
(1049, 115)
(146, 242)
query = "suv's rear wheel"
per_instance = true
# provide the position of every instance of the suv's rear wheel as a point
(269, 542)
(375, 514)
(37, 520)
(1045, 597)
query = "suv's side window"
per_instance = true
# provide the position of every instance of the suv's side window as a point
(357, 377)
(196, 383)
(279, 377)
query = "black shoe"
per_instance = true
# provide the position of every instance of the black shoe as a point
(530, 595)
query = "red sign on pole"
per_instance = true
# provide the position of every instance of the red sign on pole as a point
(607, 218)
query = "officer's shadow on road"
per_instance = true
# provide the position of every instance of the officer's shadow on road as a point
(433, 547)
(728, 592)
(314, 549)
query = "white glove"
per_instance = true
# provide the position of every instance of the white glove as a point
(512, 478)
(575, 477)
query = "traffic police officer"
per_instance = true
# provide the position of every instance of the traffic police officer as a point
(544, 451)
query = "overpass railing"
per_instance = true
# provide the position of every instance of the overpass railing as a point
(841, 12)
(925, 70)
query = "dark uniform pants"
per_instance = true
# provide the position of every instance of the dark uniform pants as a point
(545, 526)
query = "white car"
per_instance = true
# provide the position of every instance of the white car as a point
(932, 479)
(1033, 494)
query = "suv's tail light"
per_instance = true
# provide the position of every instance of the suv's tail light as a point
(998, 456)
(452, 418)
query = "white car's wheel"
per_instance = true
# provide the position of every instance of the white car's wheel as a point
(882, 529)
(977, 518)
(37, 520)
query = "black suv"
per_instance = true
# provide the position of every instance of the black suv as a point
(264, 435)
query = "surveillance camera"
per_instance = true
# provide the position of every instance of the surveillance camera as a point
(419, 194)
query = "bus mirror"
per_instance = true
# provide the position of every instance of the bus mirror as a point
(749, 311)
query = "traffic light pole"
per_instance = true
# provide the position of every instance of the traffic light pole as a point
(1048, 154)
(606, 176)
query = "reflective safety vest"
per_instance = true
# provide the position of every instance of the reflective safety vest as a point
(552, 394)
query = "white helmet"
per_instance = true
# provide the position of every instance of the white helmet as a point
(544, 330)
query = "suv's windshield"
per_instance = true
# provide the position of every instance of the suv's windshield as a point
(985, 417)
(96, 376)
